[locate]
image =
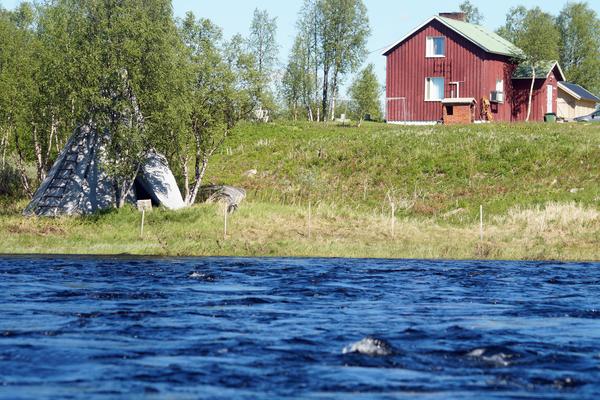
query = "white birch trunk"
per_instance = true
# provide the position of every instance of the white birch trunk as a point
(530, 93)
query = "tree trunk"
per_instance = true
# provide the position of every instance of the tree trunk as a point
(125, 188)
(530, 93)
(186, 176)
(21, 167)
(39, 162)
(332, 107)
(4, 147)
(325, 92)
(333, 95)
(198, 176)
(24, 178)
(53, 135)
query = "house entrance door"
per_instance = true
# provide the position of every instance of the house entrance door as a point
(549, 94)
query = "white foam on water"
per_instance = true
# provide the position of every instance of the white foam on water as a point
(500, 359)
(369, 346)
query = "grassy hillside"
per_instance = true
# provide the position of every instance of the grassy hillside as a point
(429, 171)
(539, 186)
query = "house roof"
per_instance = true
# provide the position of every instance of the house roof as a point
(524, 71)
(577, 91)
(478, 35)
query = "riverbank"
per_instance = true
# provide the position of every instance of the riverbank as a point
(539, 185)
(556, 231)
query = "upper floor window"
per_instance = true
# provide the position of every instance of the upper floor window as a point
(436, 46)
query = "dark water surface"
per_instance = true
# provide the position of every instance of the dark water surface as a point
(103, 328)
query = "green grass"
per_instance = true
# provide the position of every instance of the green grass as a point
(565, 232)
(539, 185)
(430, 170)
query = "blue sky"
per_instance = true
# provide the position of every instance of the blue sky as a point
(390, 19)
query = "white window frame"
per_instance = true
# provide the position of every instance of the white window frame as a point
(427, 82)
(430, 47)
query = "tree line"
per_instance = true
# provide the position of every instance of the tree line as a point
(572, 38)
(152, 81)
(127, 68)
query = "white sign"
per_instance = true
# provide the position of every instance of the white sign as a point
(144, 205)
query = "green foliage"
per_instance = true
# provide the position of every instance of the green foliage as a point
(10, 181)
(262, 44)
(365, 92)
(344, 33)
(117, 65)
(472, 13)
(538, 37)
(223, 89)
(334, 35)
(298, 81)
(579, 28)
(19, 61)
(514, 25)
(534, 32)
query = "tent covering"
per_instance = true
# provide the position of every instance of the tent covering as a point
(77, 184)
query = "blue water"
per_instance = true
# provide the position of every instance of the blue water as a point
(105, 328)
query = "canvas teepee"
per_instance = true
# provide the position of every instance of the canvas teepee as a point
(77, 183)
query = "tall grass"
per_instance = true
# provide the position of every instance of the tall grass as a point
(570, 232)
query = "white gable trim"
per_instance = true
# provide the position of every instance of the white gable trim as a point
(568, 91)
(408, 35)
(562, 74)
(446, 25)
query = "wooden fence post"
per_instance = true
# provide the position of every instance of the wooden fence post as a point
(481, 223)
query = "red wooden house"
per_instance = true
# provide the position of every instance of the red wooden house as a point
(447, 58)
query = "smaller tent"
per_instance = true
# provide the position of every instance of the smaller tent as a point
(78, 185)
(156, 182)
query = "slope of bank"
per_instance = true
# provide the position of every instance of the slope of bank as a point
(434, 171)
(539, 186)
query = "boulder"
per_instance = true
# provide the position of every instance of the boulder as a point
(229, 195)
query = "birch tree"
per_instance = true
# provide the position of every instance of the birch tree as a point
(344, 33)
(223, 90)
(539, 42)
(365, 92)
(262, 44)
(534, 32)
(472, 13)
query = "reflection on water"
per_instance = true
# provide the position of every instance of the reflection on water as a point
(98, 328)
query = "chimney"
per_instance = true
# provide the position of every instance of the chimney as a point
(459, 16)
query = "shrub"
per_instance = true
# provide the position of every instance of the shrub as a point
(10, 181)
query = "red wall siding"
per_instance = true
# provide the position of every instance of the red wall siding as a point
(497, 67)
(539, 99)
(407, 68)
